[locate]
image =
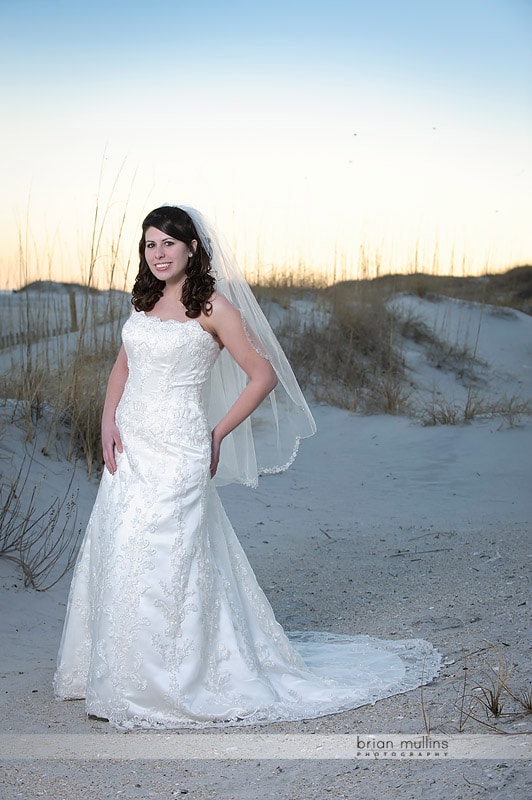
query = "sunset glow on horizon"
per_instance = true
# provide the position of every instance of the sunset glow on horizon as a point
(396, 135)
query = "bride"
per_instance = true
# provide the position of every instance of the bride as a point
(166, 625)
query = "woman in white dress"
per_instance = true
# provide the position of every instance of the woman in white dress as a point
(166, 625)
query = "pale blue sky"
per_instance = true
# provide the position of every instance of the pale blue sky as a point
(303, 127)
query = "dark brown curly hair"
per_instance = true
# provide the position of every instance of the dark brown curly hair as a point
(199, 283)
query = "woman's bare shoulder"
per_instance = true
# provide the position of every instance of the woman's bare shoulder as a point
(221, 306)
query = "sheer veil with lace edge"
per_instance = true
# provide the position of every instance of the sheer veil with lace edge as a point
(268, 441)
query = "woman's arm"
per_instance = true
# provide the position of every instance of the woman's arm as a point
(110, 432)
(225, 323)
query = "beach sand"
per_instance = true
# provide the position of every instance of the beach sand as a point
(382, 526)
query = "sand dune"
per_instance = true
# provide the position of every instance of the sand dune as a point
(383, 526)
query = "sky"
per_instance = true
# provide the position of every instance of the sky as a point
(336, 136)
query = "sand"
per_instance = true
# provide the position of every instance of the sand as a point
(383, 526)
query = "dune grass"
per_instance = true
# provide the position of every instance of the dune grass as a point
(345, 343)
(67, 373)
(346, 353)
(58, 341)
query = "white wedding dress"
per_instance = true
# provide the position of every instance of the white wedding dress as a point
(166, 624)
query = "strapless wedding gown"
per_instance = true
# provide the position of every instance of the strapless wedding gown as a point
(166, 625)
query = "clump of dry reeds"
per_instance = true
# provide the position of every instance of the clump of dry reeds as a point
(486, 694)
(441, 411)
(348, 354)
(42, 541)
(68, 373)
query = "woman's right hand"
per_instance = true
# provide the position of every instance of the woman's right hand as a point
(111, 440)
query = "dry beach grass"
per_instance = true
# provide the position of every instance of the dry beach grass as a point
(345, 343)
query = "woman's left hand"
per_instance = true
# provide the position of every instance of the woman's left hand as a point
(215, 453)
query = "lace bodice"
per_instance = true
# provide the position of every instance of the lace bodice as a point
(165, 355)
(169, 363)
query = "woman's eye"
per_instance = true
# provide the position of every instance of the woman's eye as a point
(168, 244)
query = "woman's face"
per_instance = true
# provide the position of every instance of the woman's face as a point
(166, 257)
